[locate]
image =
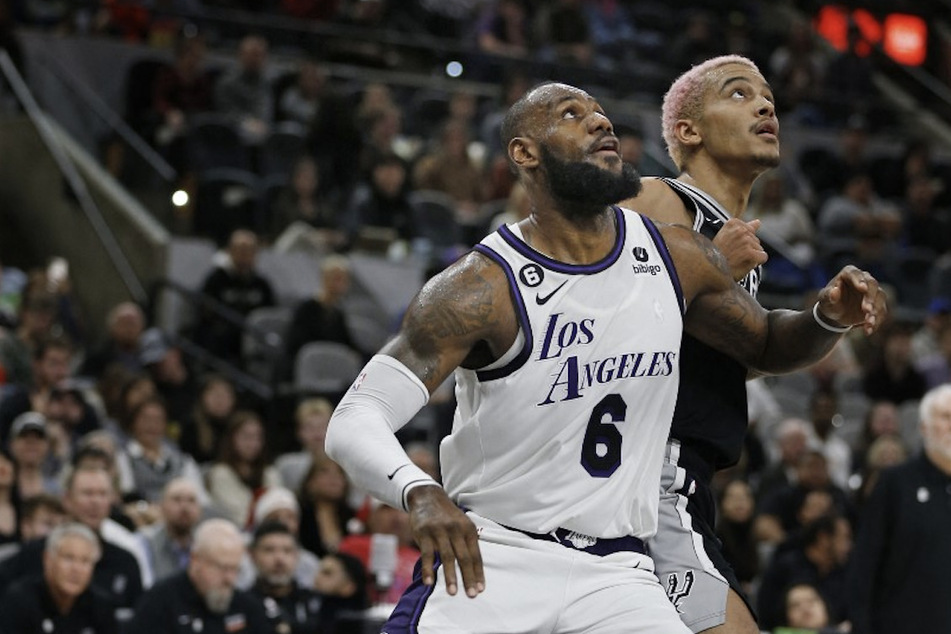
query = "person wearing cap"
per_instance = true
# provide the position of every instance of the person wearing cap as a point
(279, 504)
(169, 541)
(63, 598)
(204, 597)
(291, 607)
(30, 447)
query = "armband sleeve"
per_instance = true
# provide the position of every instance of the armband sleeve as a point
(360, 437)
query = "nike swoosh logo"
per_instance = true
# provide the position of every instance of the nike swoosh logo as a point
(540, 300)
(390, 477)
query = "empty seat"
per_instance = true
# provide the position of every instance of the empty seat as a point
(323, 367)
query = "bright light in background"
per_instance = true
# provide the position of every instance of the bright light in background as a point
(454, 69)
(180, 198)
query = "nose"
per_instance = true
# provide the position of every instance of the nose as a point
(766, 108)
(598, 121)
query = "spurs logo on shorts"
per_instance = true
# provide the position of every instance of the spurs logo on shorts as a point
(676, 591)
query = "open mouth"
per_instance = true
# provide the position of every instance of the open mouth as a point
(768, 129)
(607, 144)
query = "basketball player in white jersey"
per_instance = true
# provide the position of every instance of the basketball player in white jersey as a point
(719, 123)
(564, 331)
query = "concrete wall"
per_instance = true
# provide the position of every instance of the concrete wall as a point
(34, 200)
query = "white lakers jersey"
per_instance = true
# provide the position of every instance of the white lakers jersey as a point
(568, 429)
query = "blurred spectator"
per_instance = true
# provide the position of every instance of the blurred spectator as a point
(375, 97)
(242, 472)
(302, 101)
(792, 438)
(149, 460)
(885, 451)
(805, 611)
(796, 71)
(204, 596)
(848, 77)
(917, 161)
(787, 219)
(12, 283)
(823, 410)
(208, 422)
(696, 42)
(612, 32)
(87, 500)
(514, 84)
(179, 91)
(882, 419)
(63, 597)
(9, 500)
(245, 93)
(379, 210)
(342, 584)
(789, 509)
(125, 324)
(290, 607)
(898, 576)
(68, 407)
(38, 515)
(30, 450)
(517, 207)
(51, 366)
(893, 376)
(504, 29)
(35, 323)
(237, 285)
(173, 379)
(448, 168)
(936, 366)
(925, 340)
(304, 211)
(392, 573)
(382, 136)
(859, 227)
(819, 560)
(322, 318)
(325, 513)
(311, 418)
(564, 34)
(136, 389)
(924, 225)
(735, 531)
(169, 541)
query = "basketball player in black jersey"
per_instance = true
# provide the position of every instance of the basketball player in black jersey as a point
(720, 126)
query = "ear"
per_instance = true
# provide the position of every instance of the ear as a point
(687, 132)
(524, 152)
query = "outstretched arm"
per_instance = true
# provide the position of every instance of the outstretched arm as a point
(727, 318)
(460, 312)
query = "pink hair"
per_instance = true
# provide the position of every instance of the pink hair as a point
(684, 100)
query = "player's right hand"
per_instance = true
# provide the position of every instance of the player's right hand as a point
(439, 526)
(739, 244)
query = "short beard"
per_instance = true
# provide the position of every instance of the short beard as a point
(278, 580)
(587, 188)
(217, 601)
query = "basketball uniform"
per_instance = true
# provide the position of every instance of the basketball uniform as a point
(709, 425)
(556, 448)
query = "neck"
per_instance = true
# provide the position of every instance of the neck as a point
(731, 190)
(571, 237)
(64, 602)
(270, 590)
(941, 461)
(181, 536)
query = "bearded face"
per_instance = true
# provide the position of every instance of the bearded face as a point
(588, 186)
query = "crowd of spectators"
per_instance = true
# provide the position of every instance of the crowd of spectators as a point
(161, 474)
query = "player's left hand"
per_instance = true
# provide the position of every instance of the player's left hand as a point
(739, 244)
(853, 298)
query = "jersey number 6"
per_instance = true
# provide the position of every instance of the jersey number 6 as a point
(601, 449)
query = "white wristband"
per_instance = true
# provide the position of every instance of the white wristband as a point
(826, 325)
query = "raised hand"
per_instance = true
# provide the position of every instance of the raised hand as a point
(853, 298)
(738, 243)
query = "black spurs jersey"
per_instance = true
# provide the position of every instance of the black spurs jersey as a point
(711, 417)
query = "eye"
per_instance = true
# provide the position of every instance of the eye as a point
(738, 92)
(570, 112)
